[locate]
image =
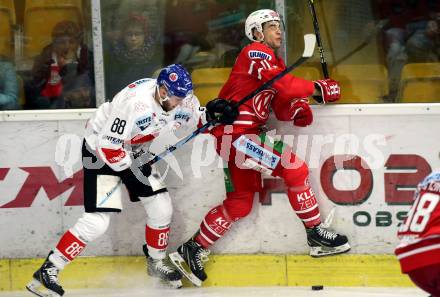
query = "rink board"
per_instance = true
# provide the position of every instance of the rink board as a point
(41, 182)
(41, 198)
(223, 271)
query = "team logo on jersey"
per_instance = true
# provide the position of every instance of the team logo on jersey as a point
(144, 122)
(183, 116)
(259, 55)
(173, 77)
(261, 103)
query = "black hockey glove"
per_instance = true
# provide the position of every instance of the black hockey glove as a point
(145, 169)
(223, 110)
(139, 160)
(129, 174)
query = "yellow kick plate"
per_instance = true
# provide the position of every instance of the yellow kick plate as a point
(222, 270)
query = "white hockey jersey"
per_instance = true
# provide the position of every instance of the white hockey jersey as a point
(134, 118)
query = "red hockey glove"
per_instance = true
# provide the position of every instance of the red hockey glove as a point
(330, 90)
(301, 113)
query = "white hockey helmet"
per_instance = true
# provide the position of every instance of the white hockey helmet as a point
(256, 20)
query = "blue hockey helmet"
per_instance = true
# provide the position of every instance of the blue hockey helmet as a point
(176, 79)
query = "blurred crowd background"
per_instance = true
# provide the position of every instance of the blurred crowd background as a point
(381, 51)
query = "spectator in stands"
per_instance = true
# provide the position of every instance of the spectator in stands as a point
(8, 85)
(424, 45)
(65, 56)
(236, 39)
(111, 29)
(193, 52)
(78, 92)
(406, 35)
(210, 50)
(132, 57)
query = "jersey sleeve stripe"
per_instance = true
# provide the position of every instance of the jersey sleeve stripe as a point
(427, 241)
(418, 251)
(139, 139)
(259, 73)
(267, 64)
(243, 122)
(247, 113)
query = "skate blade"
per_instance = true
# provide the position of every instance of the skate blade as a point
(320, 251)
(34, 286)
(175, 284)
(178, 261)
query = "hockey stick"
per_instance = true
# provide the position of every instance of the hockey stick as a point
(318, 38)
(309, 48)
(327, 35)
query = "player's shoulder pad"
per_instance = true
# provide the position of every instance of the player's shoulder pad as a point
(257, 50)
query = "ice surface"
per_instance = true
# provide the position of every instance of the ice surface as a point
(158, 291)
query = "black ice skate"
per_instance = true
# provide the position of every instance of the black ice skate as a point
(46, 276)
(193, 255)
(323, 242)
(161, 268)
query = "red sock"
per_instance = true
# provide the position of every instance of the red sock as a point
(70, 246)
(303, 201)
(213, 227)
(157, 241)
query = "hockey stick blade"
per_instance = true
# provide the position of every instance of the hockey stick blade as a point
(309, 45)
(309, 49)
(329, 219)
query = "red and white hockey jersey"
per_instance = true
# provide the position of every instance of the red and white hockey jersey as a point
(420, 233)
(134, 118)
(255, 65)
